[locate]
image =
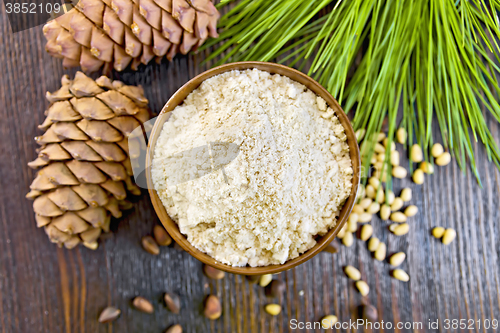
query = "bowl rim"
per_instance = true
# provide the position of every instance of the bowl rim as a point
(179, 96)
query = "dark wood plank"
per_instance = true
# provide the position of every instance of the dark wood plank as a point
(50, 290)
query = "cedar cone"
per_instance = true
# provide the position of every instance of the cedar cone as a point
(117, 33)
(85, 171)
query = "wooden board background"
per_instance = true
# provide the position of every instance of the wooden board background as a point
(45, 289)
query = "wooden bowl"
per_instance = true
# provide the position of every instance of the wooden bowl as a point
(273, 68)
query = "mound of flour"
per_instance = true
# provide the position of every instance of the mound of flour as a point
(286, 185)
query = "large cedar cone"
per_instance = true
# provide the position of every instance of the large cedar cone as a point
(85, 168)
(122, 32)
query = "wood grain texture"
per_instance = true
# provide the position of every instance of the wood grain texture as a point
(50, 290)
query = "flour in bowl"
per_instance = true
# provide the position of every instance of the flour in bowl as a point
(286, 184)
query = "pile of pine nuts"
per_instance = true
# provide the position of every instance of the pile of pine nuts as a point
(374, 199)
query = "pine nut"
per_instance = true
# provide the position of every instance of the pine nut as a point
(352, 273)
(395, 157)
(366, 232)
(397, 204)
(360, 134)
(418, 177)
(443, 159)
(361, 191)
(392, 227)
(379, 165)
(398, 217)
(427, 167)
(397, 259)
(416, 154)
(329, 321)
(374, 182)
(357, 209)
(406, 194)
(381, 157)
(401, 275)
(401, 229)
(401, 135)
(385, 212)
(380, 136)
(448, 236)
(370, 191)
(386, 142)
(273, 309)
(380, 252)
(411, 210)
(342, 232)
(437, 149)
(142, 304)
(389, 196)
(380, 198)
(365, 203)
(399, 172)
(365, 217)
(347, 239)
(353, 217)
(363, 287)
(379, 148)
(265, 280)
(373, 208)
(373, 244)
(438, 232)
(374, 159)
(352, 226)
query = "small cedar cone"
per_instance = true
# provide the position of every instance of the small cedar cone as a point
(119, 33)
(84, 166)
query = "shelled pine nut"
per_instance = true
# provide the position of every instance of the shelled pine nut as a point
(401, 275)
(397, 259)
(374, 182)
(366, 232)
(352, 273)
(443, 159)
(347, 240)
(418, 176)
(427, 167)
(342, 232)
(399, 172)
(362, 287)
(398, 217)
(365, 217)
(401, 135)
(401, 229)
(395, 157)
(353, 218)
(438, 232)
(397, 204)
(365, 203)
(385, 212)
(437, 149)
(416, 154)
(379, 148)
(357, 209)
(373, 244)
(448, 236)
(380, 252)
(370, 191)
(389, 196)
(411, 210)
(373, 208)
(406, 194)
